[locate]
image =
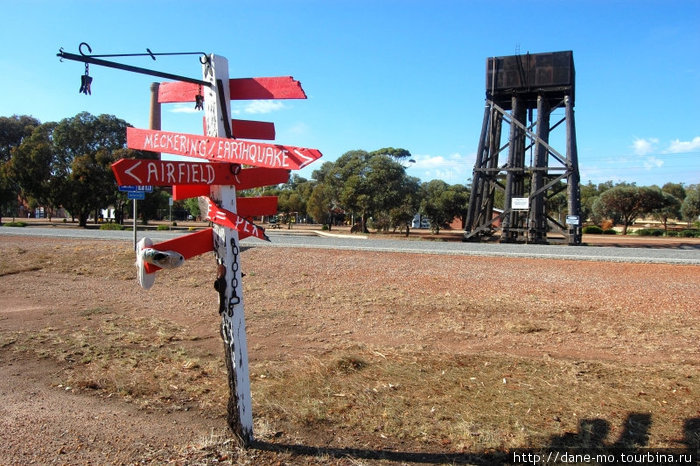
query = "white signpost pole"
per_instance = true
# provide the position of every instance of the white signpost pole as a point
(227, 249)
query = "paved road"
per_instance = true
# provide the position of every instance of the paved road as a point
(689, 256)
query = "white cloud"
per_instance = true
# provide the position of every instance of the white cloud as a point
(644, 146)
(679, 147)
(263, 106)
(454, 168)
(652, 162)
(184, 108)
(252, 107)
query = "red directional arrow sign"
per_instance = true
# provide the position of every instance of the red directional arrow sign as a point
(190, 245)
(229, 219)
(145, 172)
(282, 87)
(247, 178)
(218, 149)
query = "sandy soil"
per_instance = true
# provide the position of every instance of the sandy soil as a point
(308, 302)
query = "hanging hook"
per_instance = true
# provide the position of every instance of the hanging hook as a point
(80, 48)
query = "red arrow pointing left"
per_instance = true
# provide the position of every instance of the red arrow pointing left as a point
(145, 172)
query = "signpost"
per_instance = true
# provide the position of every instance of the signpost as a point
(216, 183)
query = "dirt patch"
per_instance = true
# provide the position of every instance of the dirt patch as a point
(355, 356)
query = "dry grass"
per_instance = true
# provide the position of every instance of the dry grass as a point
(353, 400)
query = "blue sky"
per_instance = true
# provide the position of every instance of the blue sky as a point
(382, 73)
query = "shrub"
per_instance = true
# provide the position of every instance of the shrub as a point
(111, 226)
(609, 231)
(16, 224)
(649, 232)
(162, 227)
(689, 234)
(592, 230)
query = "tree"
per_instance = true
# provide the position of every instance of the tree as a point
(690, 209)
(677, 190)
(192, 206)
(321, 204)
(670, 208)
(39, 171)
(290, 202)
(397, 154)
(441, 204)
(365, 184)
(461, 200)
(589, 193)
(628, 202)
(13, 130)
(90, 144)
(401, 216)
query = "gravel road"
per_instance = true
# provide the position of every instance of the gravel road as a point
(304, 239)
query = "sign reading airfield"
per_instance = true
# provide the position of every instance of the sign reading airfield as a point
(166, 173)
(220, 149)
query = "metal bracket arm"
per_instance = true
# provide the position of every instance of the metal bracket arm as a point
(135, 69)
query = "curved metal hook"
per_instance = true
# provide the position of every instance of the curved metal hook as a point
(80, 48)
(204, 59)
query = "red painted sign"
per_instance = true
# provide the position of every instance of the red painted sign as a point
(282, 87)
(229, 219)
(144, 172)
(186, 191)
(218, 149)
(249, 129)
(189, 246)
(256, 206)
(247, 178)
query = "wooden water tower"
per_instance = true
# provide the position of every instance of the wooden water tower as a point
(514, 184)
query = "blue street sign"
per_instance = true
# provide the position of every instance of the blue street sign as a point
(128, 188)
(139, 195)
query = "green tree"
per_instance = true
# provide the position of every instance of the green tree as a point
(397, 154)
(690, 209)
(39, 170)
(669, 208)
(461, 201)
(401, 215)
(365, 184)
(441, 204)
(675, 189)
(90, 144)
(192, 206)
(13, 130)
(321, 204)
(627, 202)
(289, 202)
(589, 193)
